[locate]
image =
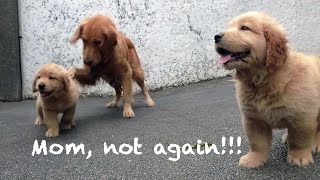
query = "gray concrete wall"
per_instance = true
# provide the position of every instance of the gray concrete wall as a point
(174, 38)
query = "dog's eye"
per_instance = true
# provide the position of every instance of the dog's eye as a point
(38, 77)
(96, 42)
(50, 77)
(244, 28)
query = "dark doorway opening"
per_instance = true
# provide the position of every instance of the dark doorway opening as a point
(10, 63)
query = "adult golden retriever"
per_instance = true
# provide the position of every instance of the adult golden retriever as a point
(275, 87)
(57, 93)
(109, 55)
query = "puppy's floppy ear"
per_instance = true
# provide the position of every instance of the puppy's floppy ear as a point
(66, 82)
(77, 34)
(110, 39)
(34, 84)
(277, 50)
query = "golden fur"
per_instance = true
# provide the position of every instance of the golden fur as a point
(109, 55)
(275, 87)
(57, 93)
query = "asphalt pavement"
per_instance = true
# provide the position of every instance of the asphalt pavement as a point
(205, 111)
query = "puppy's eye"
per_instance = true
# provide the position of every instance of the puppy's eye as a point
(38, 77)
(244, 28)
(50, 77)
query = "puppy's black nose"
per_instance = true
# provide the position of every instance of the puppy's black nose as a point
(87, 62)
(41, 86)
(218, 37)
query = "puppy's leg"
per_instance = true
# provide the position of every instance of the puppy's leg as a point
(127, 95)
(139, 78)
(301, 140)
(259, 135)
(316, 147)
(39, 119)
(317, 142)
(284, 138)
(67, 121)
(114, 102)
(51, 120)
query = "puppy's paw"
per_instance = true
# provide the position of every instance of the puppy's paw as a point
(300, 157)
(112, 105)
(150, 102)
(316, 147)
(128, 113)
(66, 126)
(52, 132)
(38, 121)
(284, 138)
(73, 124)
(252, 160)
(72, 71)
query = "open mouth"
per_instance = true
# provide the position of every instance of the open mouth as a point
(227, 56)
(45, 94)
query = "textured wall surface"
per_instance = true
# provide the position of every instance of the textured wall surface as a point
(174, 39)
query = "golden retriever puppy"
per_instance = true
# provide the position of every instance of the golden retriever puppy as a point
(275, 87)
(109, 55)
(57, 93)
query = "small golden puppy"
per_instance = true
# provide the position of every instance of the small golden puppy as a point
(275, 86)
(57, 93)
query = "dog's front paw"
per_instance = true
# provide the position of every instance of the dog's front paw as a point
(112, 105)
(52, 132)
(128, 113)
(38, 121)
(72, 72)
(150, 102)
(300, 157)
(252, 160)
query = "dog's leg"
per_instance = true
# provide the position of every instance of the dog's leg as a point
(301, 139)
(39, 119)
(127, 94)
(259, 135)
(137, 72)
(82, 75)
(114, 102)
(67, 121)
(139, 78)
(51, 120)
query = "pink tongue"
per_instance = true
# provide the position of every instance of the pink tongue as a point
(224, 59)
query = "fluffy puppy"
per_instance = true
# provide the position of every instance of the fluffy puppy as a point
(275, 87)
(56, 93)
(109, 55)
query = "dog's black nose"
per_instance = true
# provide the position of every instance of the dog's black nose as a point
(87, 62)
(41, 86)
(218, 37)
